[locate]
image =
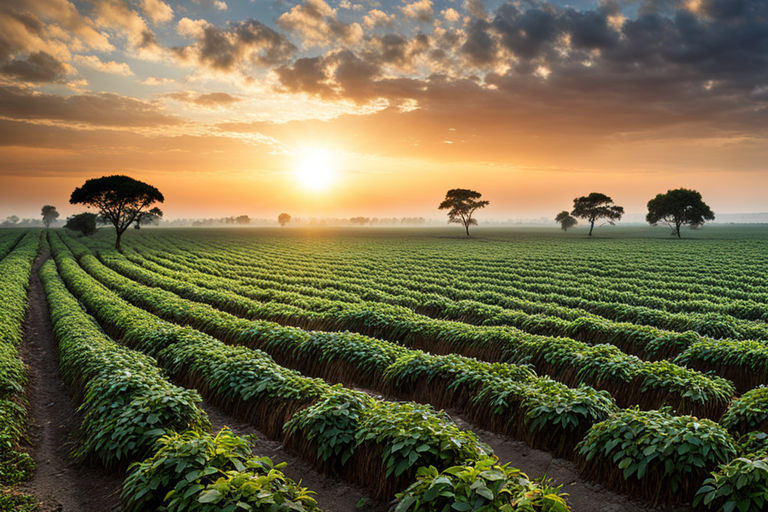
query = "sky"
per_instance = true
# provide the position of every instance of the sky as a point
(378, 107)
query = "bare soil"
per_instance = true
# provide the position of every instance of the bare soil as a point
(332, 495)
(58, 484)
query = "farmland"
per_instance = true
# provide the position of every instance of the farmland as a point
(394, 369)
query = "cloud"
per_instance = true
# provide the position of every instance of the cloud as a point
(219, 5)
(116, 15)
(157, 10)
(156, 80)
(316, 22)
(210, 100)
(451, 15)
(103, 109)
(240, 45)
(76, 28)
(37, 67)
(475, 8)
(378, 18)
(191, 28)
(113, 67)
(420, 10)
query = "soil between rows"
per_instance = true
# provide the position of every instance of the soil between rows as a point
(59, 483)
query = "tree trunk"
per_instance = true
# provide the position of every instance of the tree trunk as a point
(466, 228)
(591, 227)
(677, 229)
(117, 242)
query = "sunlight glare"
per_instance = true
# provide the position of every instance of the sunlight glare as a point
(316, 169)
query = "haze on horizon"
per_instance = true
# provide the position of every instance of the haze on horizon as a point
(235, 106)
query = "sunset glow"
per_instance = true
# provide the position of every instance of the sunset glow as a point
(378, 108)
(316, 169)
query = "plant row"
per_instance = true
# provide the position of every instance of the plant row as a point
(506, 398)
(372, 442)
(630, 380)
(743, 362)
(132, 412)
(520, 280)
(650, 453)
(677, 312)
(15, 464)
(8, 241)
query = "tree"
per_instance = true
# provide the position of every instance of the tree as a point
(12, 219)
(461, 203)
(85, 223)
(49, 214)
(243, 219)
(120, 200)
(283, 219)
(362, 221)
(594, 207)
(565, 220)
(147, 218)
(678, 207)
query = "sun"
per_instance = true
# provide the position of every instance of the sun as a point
(316, 169)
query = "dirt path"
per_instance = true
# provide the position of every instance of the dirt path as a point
(58, 483)
(332, 495)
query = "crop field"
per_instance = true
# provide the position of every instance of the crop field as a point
(396, 369)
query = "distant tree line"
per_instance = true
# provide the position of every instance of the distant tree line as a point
(675, 208)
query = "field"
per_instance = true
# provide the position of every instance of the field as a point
(385, 369)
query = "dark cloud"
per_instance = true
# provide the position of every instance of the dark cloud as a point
(479, 46)
(37, 67)
(103, 109)
(245, 43)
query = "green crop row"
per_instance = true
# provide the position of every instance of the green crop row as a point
(630, 380)
(531, 316)
(8, 241)
(505, 398)
(664, 475)
(642, 272)
(743, 362)
(131, 411)
(413, 285)
(385, 442)
(15, 269)
(521, 288)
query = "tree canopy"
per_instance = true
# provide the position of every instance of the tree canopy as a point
(594, 207)
(565, 220)
(283, 219)
(49, 214)
(84, 223)
(149, 217)
(461, 204)
(679, 207)
(120, 200)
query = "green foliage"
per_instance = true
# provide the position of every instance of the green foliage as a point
(679, 207)
(739, 486)
(127, 402)
(12, 501)
(194, 472)
(655, 452)
(15, 465)
(332, 423)
(748, 413)
(83, 223)
(483, 486)
(414, 435)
